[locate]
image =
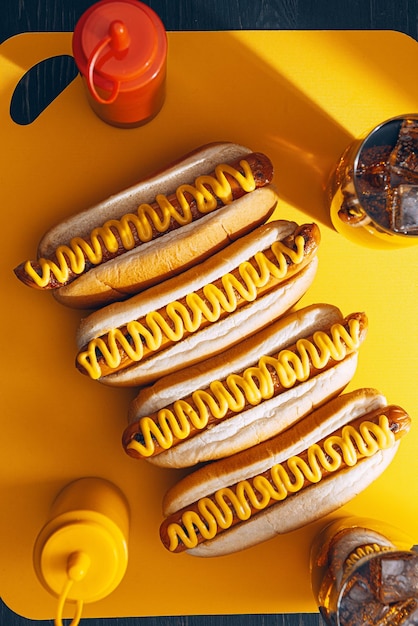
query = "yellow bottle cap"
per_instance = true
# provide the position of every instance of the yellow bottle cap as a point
(91, 551)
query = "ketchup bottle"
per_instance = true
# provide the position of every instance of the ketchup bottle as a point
(120, 48)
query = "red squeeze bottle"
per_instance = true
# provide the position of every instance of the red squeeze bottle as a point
(120, 48)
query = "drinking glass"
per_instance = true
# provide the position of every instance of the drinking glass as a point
(373, 190)
(365, 572)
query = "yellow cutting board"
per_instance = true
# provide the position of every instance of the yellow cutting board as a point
(300, 96)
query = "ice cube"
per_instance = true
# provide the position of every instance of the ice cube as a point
(405, 209)
(373, 172)
(399, 578)
(403, 160)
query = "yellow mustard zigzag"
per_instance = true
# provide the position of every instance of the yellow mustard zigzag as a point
(218, 513)
(253, 386)
(156, 329)
(73, 257)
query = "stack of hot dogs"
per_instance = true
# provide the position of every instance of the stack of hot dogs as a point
(195, 287)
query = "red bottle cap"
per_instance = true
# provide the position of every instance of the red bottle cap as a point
(120, 47)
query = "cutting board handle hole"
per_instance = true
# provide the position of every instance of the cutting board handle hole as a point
(39, 86)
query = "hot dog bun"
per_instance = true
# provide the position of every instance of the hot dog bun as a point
(211, 306)
(215, 409)
(171, 249)
(355, 466)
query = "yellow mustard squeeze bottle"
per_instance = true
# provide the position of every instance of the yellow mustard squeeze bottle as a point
(81, 554)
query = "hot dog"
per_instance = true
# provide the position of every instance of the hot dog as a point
(155, 229)
(248, 394)
(280, 485)
(201, 312)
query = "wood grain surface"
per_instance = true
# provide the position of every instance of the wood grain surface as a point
(17, 16)
(28, 15)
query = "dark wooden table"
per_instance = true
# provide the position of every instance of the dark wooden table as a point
(17, 16)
